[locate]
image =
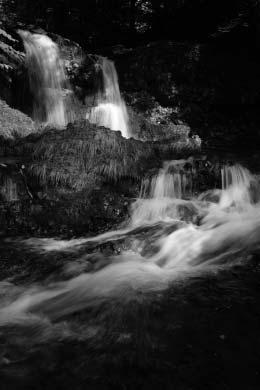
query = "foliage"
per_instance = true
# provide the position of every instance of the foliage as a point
(102, 22)
(9, 56)
(10, 59)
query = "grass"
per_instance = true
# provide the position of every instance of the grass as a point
(85, 153)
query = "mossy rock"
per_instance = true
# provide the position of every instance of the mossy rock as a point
(14, 123)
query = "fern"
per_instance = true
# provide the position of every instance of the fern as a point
(11, 53)
(9, 56)
(7, 36)
(10, 59)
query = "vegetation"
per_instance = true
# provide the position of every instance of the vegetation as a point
(101, 22)
(8, 52)
(82, 152)
(83, 155)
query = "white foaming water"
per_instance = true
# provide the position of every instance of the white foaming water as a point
(225, 233)
(238, 184)
(111, 110)
(161, 197)
(47, 78)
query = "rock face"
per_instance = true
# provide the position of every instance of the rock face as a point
(185, 73)
(64, 213)
(213, 88)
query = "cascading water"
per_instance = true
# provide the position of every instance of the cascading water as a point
(171, 182)
(111, 110)
(163, 195)
(47, 78)
(238, 184)
(160, 253)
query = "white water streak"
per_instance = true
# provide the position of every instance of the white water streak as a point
(47, 78)
(111, 111)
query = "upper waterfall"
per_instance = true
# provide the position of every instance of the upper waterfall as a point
(46, 77)
(111, 110)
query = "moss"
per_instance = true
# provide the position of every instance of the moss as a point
(83, 154)
(14, 123)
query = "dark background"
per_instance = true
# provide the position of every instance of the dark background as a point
(98, 23)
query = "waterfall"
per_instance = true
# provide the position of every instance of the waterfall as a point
(163, 195)
(111, 111)
(238, 185)
(171, 181)
(46, 77)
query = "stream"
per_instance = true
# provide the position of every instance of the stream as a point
(175, 289)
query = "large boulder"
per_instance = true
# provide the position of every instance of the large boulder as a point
(14, 123)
